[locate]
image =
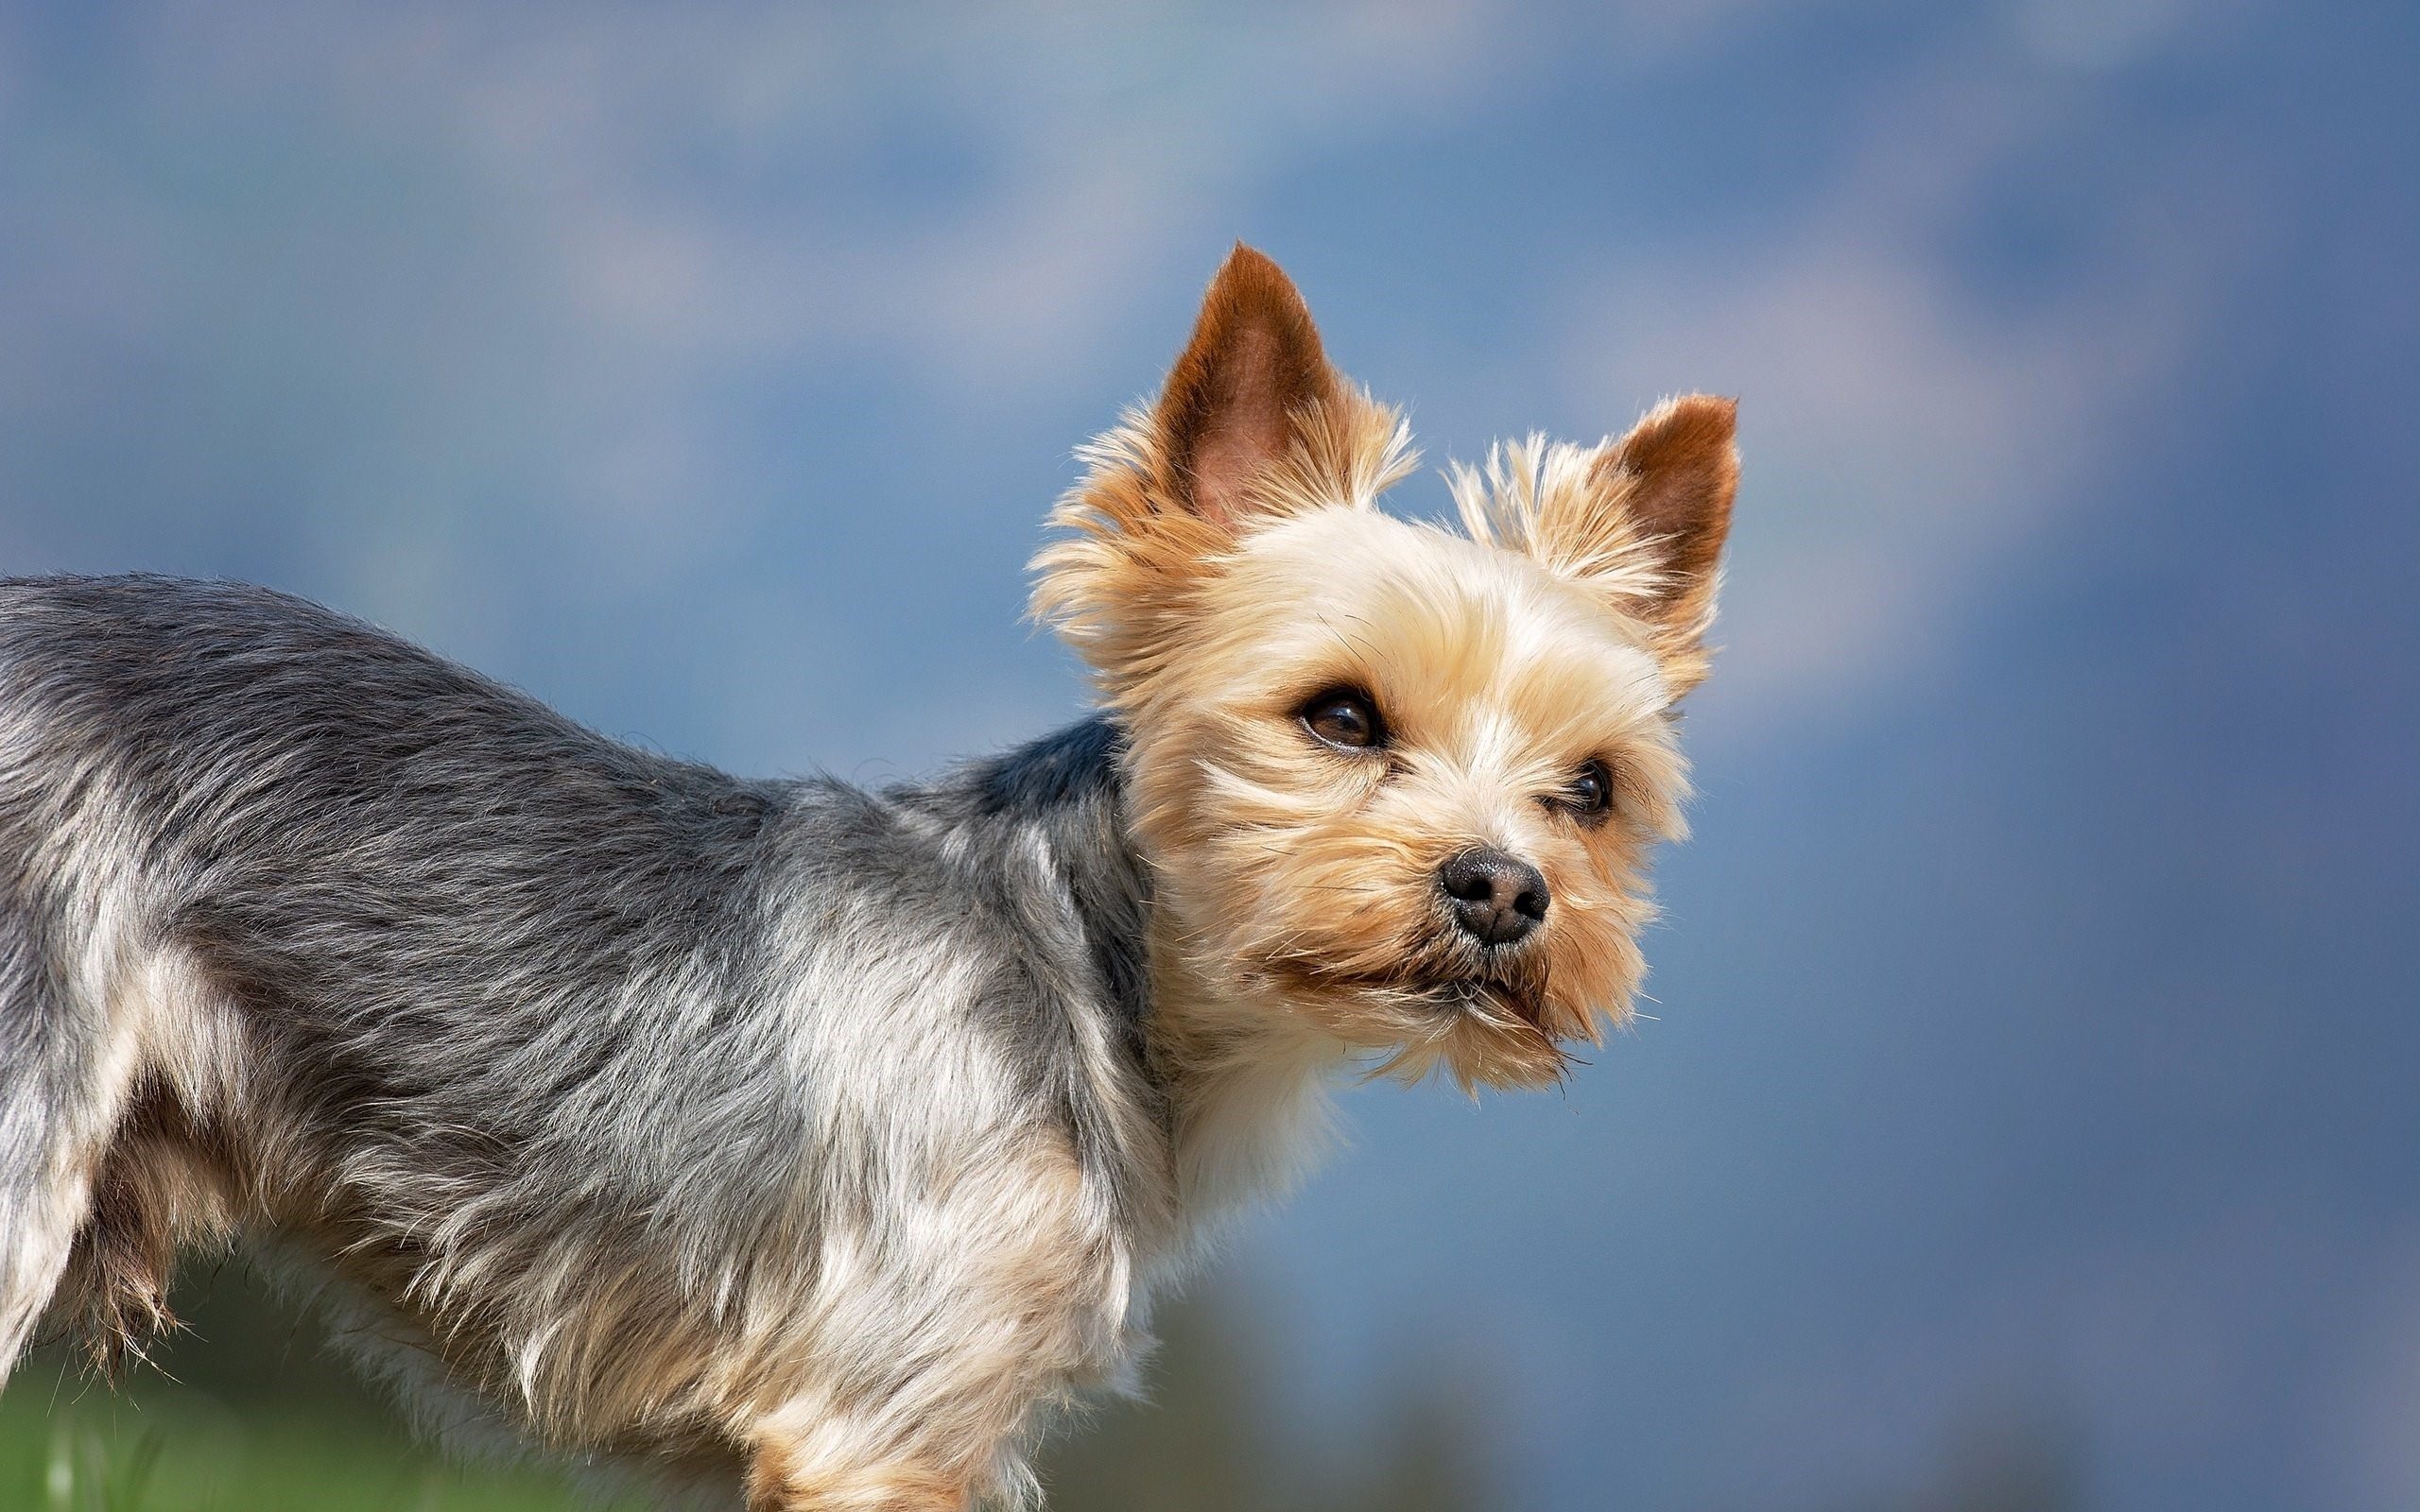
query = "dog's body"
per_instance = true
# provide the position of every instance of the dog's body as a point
(685, 1117)
(633, 1084)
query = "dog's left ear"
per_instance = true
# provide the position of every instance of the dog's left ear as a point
(1669, 484)
(1646, 526)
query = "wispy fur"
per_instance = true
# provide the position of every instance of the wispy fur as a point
(783, 1132)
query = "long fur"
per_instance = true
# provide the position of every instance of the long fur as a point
(787, 1134)
(627, 1084)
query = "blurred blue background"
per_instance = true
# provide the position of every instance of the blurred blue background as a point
(2036, 1051)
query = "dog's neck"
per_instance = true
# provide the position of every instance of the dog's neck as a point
(1240, 1086)
(1248, 1087)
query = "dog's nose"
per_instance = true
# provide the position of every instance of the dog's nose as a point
(1497, 899)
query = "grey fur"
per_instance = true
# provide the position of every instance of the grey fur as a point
(511, 1000)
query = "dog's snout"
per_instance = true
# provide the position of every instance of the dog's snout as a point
(1497, 899)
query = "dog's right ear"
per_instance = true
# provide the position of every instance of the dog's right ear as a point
(1227, 417)
(1252, 427)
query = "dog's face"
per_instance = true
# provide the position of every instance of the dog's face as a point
(1397, 782)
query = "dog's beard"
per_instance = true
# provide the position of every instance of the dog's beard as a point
(1435, 967)
(1437, 999)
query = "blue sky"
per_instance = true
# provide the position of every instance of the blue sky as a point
(2035, 1036)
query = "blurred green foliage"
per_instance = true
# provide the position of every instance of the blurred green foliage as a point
(244, 1413)
(1209, 1439)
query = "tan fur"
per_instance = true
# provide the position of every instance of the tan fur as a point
(158, 1194)
(859, 1430)
(1298, 919)
(1640, 521)
(775, 1484)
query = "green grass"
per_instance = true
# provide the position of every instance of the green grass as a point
(83, 1450)
(246, 1413)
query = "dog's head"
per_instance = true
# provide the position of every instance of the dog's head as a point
(1396, 781)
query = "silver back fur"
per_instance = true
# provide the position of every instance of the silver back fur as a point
(642, 1101)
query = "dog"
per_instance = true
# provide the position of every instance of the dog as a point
(818, 1143)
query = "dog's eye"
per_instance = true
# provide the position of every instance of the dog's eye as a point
(1591, 792)
(1344, 718)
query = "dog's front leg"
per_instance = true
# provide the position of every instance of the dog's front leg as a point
(779, 1481)
(948, 1439)
(940, 1346)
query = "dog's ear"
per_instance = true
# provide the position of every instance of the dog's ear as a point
(1252, 427)
(1253, 371)
(1669, 484)
(1641, 521)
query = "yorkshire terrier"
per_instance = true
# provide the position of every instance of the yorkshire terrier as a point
(788, 1136)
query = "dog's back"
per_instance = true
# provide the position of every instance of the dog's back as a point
(255, 852)
(581, 1063)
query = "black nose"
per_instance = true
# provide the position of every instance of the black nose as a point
(1496, 898)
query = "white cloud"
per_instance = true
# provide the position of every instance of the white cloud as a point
(668, 159)
(661, 207)
(1903, 435)
(2376, 1446)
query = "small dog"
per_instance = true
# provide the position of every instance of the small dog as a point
(814, 1138)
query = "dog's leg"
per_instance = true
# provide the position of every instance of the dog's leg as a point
(947, 1436)
(777, 1484)
(944, 1348)
(60, 1092)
